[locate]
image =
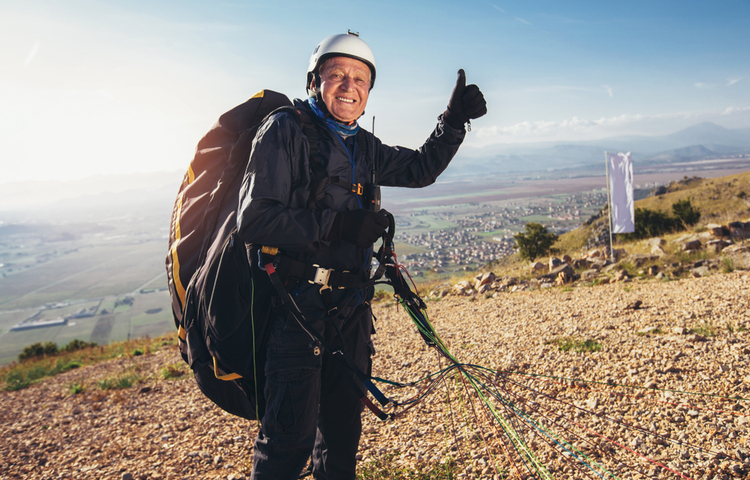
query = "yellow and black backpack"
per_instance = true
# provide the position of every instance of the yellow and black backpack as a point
(220, 307)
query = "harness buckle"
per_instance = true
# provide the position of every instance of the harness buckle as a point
(321, 276)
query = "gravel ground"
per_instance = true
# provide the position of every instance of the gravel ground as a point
(662, 398)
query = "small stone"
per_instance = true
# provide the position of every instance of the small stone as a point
(127, 476)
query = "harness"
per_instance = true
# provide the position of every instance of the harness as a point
(286, 272)
(274, 264)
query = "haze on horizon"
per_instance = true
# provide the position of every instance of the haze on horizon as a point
(100, 87)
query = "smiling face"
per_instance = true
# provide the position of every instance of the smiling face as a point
(344, 87)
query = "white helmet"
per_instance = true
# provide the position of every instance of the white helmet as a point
(343, 45)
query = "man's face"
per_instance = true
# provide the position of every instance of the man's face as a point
(345, 86)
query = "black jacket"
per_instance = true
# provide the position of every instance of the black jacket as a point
(276, 186)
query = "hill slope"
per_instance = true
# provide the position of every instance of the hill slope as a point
(167, 429)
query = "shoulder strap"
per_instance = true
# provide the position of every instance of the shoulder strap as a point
(318, 172)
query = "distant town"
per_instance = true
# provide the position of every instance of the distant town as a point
(483, 236)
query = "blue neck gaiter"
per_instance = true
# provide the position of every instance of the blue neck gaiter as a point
(344, 131)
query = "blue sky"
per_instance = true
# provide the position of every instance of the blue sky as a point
(97, 87)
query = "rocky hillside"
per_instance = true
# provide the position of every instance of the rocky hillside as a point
(660, 385)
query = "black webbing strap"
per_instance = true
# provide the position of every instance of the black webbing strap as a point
(318, 170)
(343, 359)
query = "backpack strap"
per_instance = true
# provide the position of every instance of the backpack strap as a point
(318, 172)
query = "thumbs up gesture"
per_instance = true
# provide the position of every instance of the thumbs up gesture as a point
(466, 103)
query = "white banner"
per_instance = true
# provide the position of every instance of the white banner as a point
(621, 192)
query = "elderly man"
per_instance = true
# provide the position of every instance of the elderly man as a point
(311, 407)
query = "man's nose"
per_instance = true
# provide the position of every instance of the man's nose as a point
(347, 83)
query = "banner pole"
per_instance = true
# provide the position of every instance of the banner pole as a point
(609, 208)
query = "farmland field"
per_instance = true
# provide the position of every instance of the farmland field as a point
(53, 268)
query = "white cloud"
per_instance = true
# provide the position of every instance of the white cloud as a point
(733, 110)
(700, 85)
(609, 90)
(577, 128)
(733, 80)
(498, 8)
(526, 22)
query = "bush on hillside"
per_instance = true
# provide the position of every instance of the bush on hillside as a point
(536, 242)
(685, 213)
(37, 350)
(76, 344)
(650, 223)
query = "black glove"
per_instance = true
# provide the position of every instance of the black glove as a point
(466, 102)
(360, 227)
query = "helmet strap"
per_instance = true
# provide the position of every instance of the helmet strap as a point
(319, 97)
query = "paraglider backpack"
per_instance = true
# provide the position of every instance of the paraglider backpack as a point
(221, 300)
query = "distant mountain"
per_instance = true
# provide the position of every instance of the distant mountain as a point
(114, 194)
(705, 140)
(100, 193)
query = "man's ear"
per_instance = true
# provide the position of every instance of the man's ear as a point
(312, 83)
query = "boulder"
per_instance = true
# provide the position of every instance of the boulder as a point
(717, 246)
(656, 242)
(563, 278)
(717, 230)
(552, 276)
(739, 229)
(484, 288)
(461, 288)
(483, 280)
(639, 259)
(536, 267)
(739, 254)
(554, 262)
(698, 272)
(581, 263)
(691, 245)
(589, 275)
(620, 276)
(600, 264)
(509, 281)
(736, 248)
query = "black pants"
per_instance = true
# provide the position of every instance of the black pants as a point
(311, 408)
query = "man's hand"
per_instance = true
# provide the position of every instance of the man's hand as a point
(360, 227)
(466, 103)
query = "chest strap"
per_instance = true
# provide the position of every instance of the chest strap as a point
(292, 271)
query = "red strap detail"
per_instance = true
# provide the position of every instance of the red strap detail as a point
(270, 269)
(379, 413)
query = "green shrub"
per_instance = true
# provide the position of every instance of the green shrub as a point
(685, 213)
(570, 343)
(175, 370)
(76, 344)
(38, 350)
(650, 223)
(383, 468)
(76, 387)
(536, 242)
(119, 383)
(706, 329)
(16, 380)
